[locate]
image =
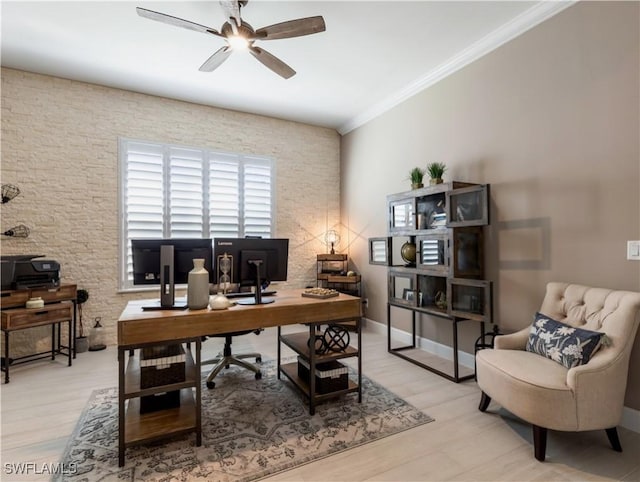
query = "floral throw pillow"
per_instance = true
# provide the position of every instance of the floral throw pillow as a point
(562, 343)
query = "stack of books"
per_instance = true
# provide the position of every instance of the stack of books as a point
(438, 220)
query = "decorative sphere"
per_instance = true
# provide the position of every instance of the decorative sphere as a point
(408, 252)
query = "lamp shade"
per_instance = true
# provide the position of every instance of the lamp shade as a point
(332, 238)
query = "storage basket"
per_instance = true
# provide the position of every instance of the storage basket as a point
(160, 401)
(330, 376)
(162, 365)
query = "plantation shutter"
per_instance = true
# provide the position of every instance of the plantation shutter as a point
(186, 193)
(181, 192)
(257, 197)
(144, 191)
(224, 196)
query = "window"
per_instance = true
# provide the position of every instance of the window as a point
(169, 191)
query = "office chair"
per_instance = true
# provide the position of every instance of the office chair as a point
(226, 358)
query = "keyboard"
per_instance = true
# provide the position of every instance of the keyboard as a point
(248, 294)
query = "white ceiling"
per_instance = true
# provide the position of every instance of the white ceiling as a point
(373, 54)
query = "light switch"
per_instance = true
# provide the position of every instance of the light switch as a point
(633, 250)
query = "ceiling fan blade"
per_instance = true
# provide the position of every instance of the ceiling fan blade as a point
(175, 21)
(292, 28)
(213, 62)
(274, 63)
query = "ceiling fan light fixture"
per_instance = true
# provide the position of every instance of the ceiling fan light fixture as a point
(238, 42)
(239, 35)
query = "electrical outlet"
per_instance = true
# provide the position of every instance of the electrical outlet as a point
(365, 302)
(633, 250)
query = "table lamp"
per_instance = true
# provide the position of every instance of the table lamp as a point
(332, 237)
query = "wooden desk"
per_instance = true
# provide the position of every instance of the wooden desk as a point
(138, 328)
(60, 307)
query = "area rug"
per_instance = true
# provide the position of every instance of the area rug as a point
(250, 429)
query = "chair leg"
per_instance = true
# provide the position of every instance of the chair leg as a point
(539, 442)
(244, 364)
(612, 434)
(257, 356)
(484, 402)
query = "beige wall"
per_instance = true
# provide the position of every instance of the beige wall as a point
(59, 145)
(551, 121)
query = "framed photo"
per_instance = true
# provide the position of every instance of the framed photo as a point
(379, 249)
(409, 295)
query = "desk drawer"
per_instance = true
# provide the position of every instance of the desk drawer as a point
(23, 318)
(10, 299)
(64, 292)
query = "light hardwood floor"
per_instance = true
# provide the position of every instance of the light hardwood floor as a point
(41, 405)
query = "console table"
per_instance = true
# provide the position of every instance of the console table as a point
(60, 307)
(138, 329)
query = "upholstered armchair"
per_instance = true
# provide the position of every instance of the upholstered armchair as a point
(549, 395)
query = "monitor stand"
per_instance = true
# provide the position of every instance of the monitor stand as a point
(257, 300)
(167, 286)
(157, 305)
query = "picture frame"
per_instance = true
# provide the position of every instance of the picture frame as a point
(379, 251)
(409, 295)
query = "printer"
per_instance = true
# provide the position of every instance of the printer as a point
(26, 271)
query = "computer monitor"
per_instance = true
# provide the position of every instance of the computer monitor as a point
(251, 262)
(167, 262)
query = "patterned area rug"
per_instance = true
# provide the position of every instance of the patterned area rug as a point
(250, 429)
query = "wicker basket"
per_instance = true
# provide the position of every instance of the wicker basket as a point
(330, 376)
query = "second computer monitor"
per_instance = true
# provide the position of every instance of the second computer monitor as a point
(250, 261)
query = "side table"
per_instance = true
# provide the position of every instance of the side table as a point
(60, 307)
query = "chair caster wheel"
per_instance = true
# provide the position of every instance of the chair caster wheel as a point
(259, 376)
(258, 359)
(227, 367)
(211, 385)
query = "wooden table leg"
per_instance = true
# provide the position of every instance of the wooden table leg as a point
(278, 356)
(75, 306)
(312, 370)
(70, 350)
(198, 394)
(121, 413)
(53, 340)
(7, 361)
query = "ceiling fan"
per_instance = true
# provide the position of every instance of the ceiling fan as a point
(239, 35)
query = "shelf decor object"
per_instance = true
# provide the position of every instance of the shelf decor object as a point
(434, 253)
(436, 170)
(415, 175)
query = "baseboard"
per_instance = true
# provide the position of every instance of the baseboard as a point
(443, 351)
(630, 417)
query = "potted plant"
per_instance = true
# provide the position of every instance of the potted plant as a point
(82, 342)
(415, 175)
(436, 170)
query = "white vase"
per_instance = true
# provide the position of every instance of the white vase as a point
(198, 286)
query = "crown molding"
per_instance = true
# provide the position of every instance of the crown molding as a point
(510, 30)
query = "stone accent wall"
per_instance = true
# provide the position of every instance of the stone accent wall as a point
(60, 146)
